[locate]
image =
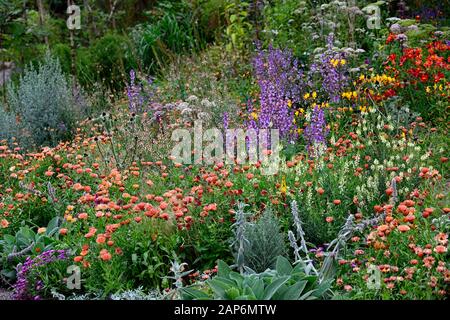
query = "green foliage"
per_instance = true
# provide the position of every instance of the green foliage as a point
(285, 282)
(265, 242)
(44, 103)
(112, 60)
(157, 42)
(238, 27)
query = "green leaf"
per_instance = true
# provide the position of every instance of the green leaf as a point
(191, 293)
(223, 270)
(219, 287)
(233, 18)
(294, 291)
(9, 238)
(307, 295)
(232, 293)
(274, 286)
(258, 289)
(236, 277)
(283, 266)
(53, 226)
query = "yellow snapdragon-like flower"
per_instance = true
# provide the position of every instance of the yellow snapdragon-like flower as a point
(289, 103)
(254, 115)
(314, 95)
(306, 96)
(283, 187)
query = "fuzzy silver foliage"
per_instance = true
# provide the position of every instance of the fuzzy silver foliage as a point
(8, 125)
(44, 104)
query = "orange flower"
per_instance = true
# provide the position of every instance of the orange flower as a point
(105, 255)
(41, 230)
(228, 184)
(337, 202)
(63, 231)
(4, 223)
(440, 249)
(320, 191)
(164, 216)
(389, 191)
(403, 228)
(78, 258)
(100, 239)
(163, 205)
(329, 219)
(83, 215)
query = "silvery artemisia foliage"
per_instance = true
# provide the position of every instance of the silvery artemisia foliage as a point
(265, 242)
(135, 294)
(44, 104)
(8, 125)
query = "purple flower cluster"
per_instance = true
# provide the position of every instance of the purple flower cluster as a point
(315, 133)
(279, 80)
(225, 121)
(333, 79)
(139, 97)
(22, 286)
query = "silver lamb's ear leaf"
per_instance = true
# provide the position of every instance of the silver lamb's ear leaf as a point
(249, 270)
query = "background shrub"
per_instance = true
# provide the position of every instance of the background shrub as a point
(44, 104)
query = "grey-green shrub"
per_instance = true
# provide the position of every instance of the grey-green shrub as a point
(44, 104)
(265, 242)
(8, 125)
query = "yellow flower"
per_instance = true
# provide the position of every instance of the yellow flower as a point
(254, 115)
(299, 131)
(428, 90)
(334, 62)
(314, 95)
(306, 96)
(343, 62)
(283, 187)
(362, 77)
(355, 94)
(289, 103)
(302, 110)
